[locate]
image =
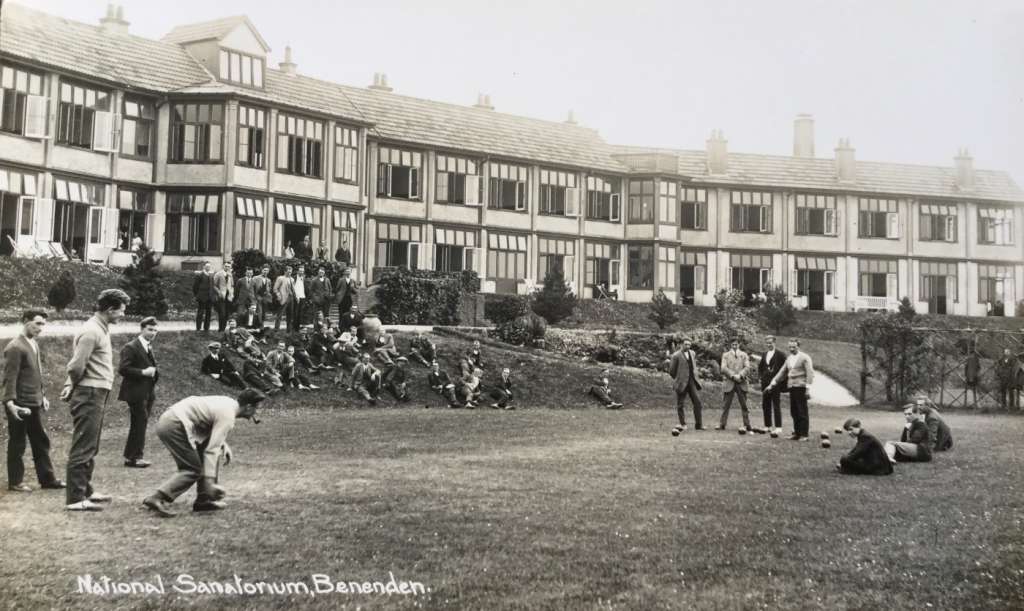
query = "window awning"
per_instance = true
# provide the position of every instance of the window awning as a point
(14, 181)
(938, 209)
(878, 205)
(140, 201)
(816, 263)
(193, 203)
(753, 261)
(248, 206)
(994, 213)
(454, 237)
(344, 219)
(78, 192)
(694, 258)
(298, 213)
(399, 231)
(551, 246)
(501, 241)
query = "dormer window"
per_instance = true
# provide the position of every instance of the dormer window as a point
(240, 68)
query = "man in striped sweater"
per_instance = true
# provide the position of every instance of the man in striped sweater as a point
(799, 373)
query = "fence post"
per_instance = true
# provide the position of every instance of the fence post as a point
(863, 368)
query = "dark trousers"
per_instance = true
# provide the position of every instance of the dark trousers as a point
(500, 396)
(188, 459)
(29, 428)
(698, 406)
(798, 411)
(223, 312)
(1009, 397)
(87, 406)
(139, 412)
(602, 394)
(771, 405)
(203, 311)
(297, 313)
(740, 394)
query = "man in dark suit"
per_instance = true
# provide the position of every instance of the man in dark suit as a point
(772, 361)
(686, 382)
(345, 293)
(343, 254)
(245, 292)
(138, 381)
(203, 291)
(321, 292)
(218, 367)
(867, 457)
(24, 402)
(252, 321)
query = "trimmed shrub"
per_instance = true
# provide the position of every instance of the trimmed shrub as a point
(524, 330)
(777, 311)
(555, 300)
(63, 292)
(500, 309)
(405, 297)
(663, 311)
(143, 283)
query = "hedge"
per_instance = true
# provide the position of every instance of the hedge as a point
(422, 297)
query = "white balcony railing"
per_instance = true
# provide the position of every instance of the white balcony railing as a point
(875, 303)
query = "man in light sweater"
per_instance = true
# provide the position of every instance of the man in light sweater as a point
(90, 378)
(799, 373)
(195, 432)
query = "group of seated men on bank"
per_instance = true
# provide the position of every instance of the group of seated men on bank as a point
(924, 433)
(356, 363)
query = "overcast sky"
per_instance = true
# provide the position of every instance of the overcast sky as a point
(905, 81)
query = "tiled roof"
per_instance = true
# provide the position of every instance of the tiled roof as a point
(210, 30)
(163, 66)
(820, 173)
(78, 47)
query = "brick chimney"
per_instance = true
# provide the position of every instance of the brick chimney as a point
(288, 66)
(964, 164)
(846, 163)
(718, 153)
(113, 22)
(380, 82)
(483, 102)
(803, 136)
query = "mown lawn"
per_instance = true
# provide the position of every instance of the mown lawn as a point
(543, 507)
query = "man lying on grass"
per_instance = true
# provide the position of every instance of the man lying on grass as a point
(195, 432)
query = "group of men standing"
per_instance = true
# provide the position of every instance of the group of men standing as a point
(777, 372)
(292, 295)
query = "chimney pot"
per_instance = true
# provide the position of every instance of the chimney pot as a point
(846, 161)
(288, 66)
(380, 82)
(718, 153)
(964, 165)
(483, 101)
(803, 136)
(571, 120)
(113, 22)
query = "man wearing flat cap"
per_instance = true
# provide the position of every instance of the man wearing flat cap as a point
(217, 366)
(138, 389)
(195, 431)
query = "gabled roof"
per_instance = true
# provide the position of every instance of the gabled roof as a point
(216, 29)
(84, 49)
(820, 174)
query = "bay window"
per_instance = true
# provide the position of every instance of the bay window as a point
(640, 266)
(641, 202)
(300, 146)
(252, 123)
(137, 123)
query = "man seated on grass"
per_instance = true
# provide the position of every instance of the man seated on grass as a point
(255, 375)
(241, 341)
(301, 372)
(938, 430)
(602, 391)
(915, 444)
(302, 358)
(195, 432)
(501, 391)
(346, 351)
(366, 379)
(252, 322)
(442, 384)
(475, 356)
(867, 457)
(386, 351)
(218, 367)
(395, 379)
(468, 389)
(352, 318)
(422, 350)
(282, 364)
